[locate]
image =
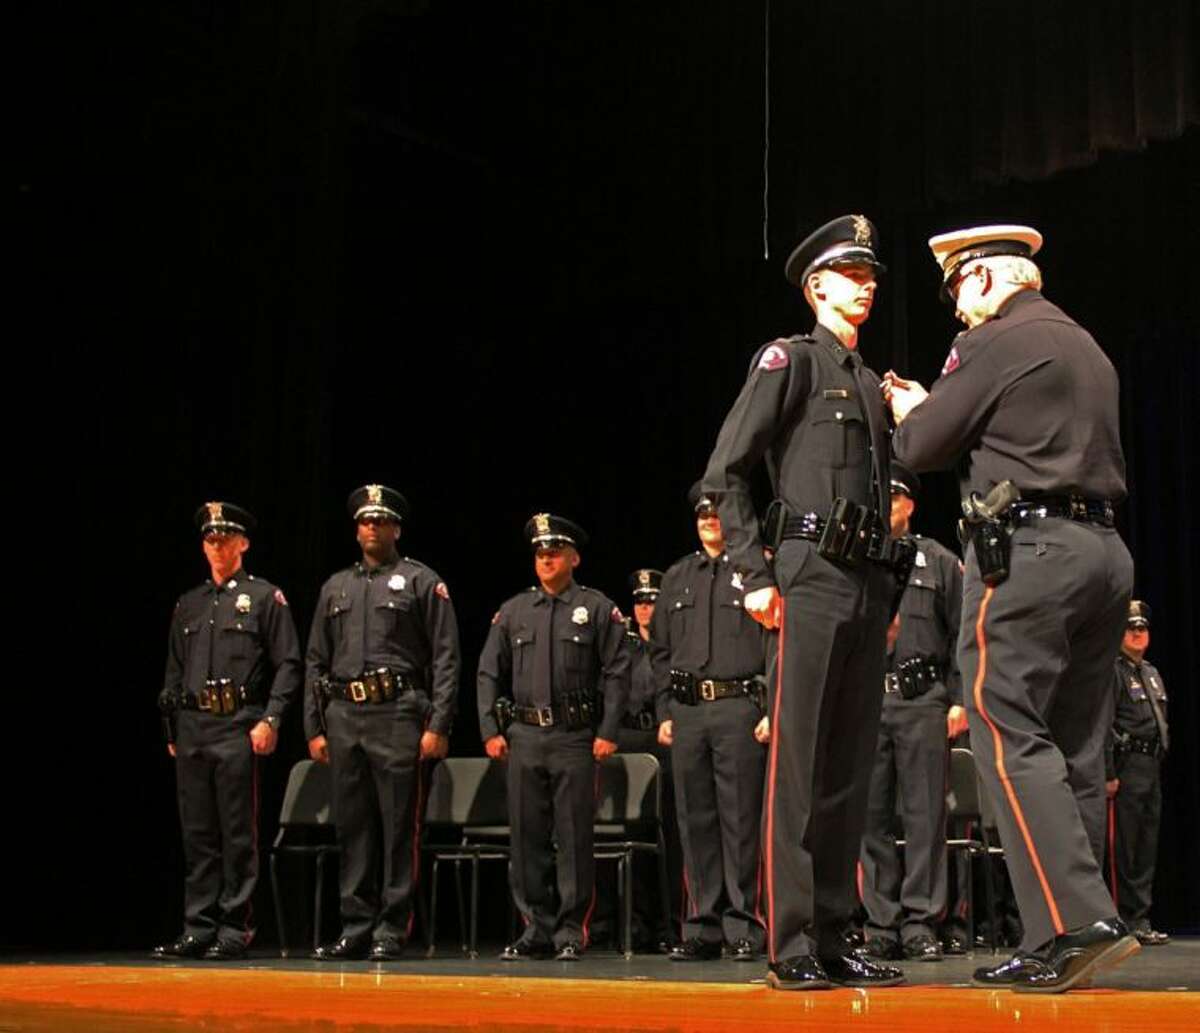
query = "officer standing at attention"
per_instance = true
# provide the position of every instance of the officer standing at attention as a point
(922, 709)
(1137, 743)
(562, 651)
(814, 412)
(1027, 403)
(233, 668)
(708, 659)
(383, 666)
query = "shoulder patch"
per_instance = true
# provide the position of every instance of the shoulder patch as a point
(616, 616)
(280, 598)
(773, 358)
(952, 361)
(496, 618)
(441, 590)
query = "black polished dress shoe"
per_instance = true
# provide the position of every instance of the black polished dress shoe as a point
(666, 945)
(803, 972)
(1003, 975)
(922, 948)
(345, 949)
(524, 950)
(186, 946)
(851, 970)
(1071, 960)
(387, 948)
(695, 949)
(741, 950)
(879, 948)
(1148, 937)
(226, 950)
(572, 950)
(954, 943)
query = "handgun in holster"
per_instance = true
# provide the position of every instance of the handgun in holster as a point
(168, 708)
(774, 523)
(502, 710)
(904, 558)
(321, 696)
(990, 535)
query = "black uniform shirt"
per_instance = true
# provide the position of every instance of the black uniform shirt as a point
(818, 422)
(643, 690)
(590, 653)
(930, 612)
(1133, 684)
(241, 630)
(699, 625)
(398, 616)
(1027, 396)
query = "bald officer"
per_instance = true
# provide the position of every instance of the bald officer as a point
(812, 410)
(1027, 396)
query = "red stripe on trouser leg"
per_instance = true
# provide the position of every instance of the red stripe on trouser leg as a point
(1112, 851)
(772, 765)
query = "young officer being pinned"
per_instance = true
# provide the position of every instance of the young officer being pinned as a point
(233, 668)
(813, 411)
(1026, 409)
(383, 667)
(553, 682)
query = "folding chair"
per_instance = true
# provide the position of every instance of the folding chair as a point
(967, 805)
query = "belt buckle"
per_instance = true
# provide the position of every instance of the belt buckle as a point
(890, 682)
(358, 691)
(545, 717)
(204, 700)
(708, 690)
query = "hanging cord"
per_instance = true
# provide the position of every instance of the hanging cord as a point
(766, 125)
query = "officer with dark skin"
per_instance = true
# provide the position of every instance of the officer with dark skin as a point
(383, 669)
(812, 410)
(552, 652)
(1027, 396)
(921, 710)
(233, 668)
(1137, 744)
(708, 663)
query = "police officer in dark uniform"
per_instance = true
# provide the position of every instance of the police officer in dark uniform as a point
(708, 660)
(383, 667)
(233, 668)
(814, 412)
(1027, 397)
(562, 651)
(1137, 744)
(919, 690)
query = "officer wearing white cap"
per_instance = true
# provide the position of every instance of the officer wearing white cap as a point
(920, 691)
(1027, 404)
(233, 669)
(1137, 744)
(383, 668)
(812, 410)
(553, 683)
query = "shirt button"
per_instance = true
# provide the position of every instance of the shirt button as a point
(837, 415)
(211, 621)
(576, 638)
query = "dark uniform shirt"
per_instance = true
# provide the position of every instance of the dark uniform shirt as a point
(1056, 432)
(589, 653)
(398, 616)
(1133, 685)
(699, 625)
(643, 691)
(930, 613)
(241, 630)
(815, 412)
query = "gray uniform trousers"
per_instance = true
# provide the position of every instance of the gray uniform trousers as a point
(1035, 654)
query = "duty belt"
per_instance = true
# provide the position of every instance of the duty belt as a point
(863, 534)
(1065, 507)
(1132, 744)
(690, 690)
(642, 721)
(379, 686)
(913, 677)
(575, 710)
(219, 696)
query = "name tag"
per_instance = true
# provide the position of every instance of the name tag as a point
(835, 393)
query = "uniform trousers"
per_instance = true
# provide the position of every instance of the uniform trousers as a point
(825, 673)
(552, 802)
(216, 774)
(373, 753)
(718, 768)
(909, 777)
(1035, 654)
(1137, 810)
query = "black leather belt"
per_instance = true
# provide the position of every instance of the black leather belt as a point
(642, 721)
(378, 686)
(914, 677)
(880, 547)
(576, 710)
(1131, 744)
(688, 689)
(219, 696)
(1063, 507)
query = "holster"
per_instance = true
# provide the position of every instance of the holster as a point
(904, 557)
(581, 710)
(683, 688)
(502, 710)
(168, 708)
(992, 541)
(774, 523)
(321, 696)
(847, 532)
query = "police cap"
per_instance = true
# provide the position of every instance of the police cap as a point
(700, 499)
(904, 480)
(547, 529)
(1139, 614)
(645, 584)
(952, 250)
(848, 240)
(224, 518)
(379, 501)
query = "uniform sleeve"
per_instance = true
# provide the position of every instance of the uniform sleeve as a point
(659, 648)
(1110, 763)
(173, 677)
(441, 627)
(778, 377)
(317, 661)
(283, 647)
(952, 601)
(494, 678)
(616, 668)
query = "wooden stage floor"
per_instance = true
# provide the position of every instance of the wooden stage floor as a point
(1157, 990)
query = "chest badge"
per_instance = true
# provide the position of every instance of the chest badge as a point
(920, 560)
(242, 603)
(580, 616)
(396, 582)
(736, 581)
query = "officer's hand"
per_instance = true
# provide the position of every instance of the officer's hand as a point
(263, 738)
(893, 633)
(666, 733)
(1111, 787)
(496, 747)
(762, 730)
(171, 748)
(602, 748)
(764, 605)
(902, 395)
(318, 749)
(434, 745)
(956, 721)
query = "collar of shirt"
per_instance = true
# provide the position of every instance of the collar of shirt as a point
(566, 596)
(230, 583)
(1015, 303)
(841, 354)
(362, 570)
(706, 559)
